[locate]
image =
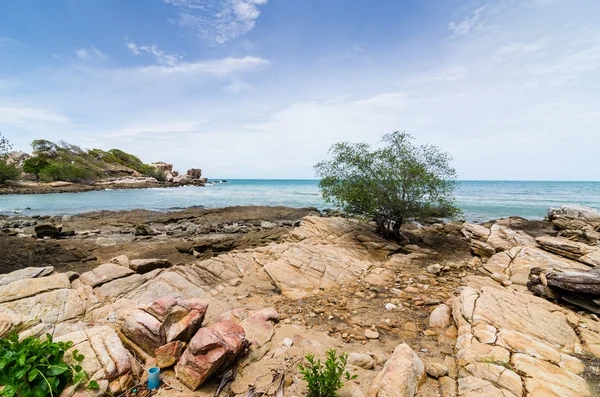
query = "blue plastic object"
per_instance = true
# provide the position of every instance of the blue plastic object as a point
(153, 378)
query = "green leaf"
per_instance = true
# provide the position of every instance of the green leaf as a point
(57, 369)
(33, 374)
(9, 391)
(21, 359)
(93, 385)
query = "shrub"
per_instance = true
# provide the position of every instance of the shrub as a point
(67, 172)
(392, 184)
(8, 172)
(325, 380)
(32, 368)
(153, 172)
(35, 165)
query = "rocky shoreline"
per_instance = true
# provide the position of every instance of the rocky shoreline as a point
(448, 312)
(68, 187)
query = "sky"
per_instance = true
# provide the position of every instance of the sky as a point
(263, 88)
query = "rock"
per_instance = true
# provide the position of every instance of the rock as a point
(287, 342)
(267, 225)
(163, 321)
(401, 375)
(146, 265)
(370, 334)
(143, 230)
(440, 317)
(167, 355)
(46, 230)
(436, 370)
(104, 273)
(434, 269)
(16, 158)
(28, 272)
(361, 360)
(27, 287)
(575, 212)
(211, 349)
(380, 276)
(390, 306)
(122, 260)
(448, 387)
(564, 247)
(106, 360)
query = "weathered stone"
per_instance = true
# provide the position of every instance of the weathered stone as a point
(24, 288)
(147, 265)
(401, 375)
(564, 247)
(553, 378)
(361, 360)
(46, 230)
(448, 387)
(370, 334)
(162, 321)
(258, 327)
(28, 272)
(211, 349)
(167, 355)
(104, 273)
(122, 260)
(440, 317)
(105, 358)
(143, 230)
(434, 269)
(436, 370)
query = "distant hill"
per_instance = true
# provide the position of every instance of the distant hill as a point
(51, 162)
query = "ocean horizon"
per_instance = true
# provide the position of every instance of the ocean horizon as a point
(479, 200)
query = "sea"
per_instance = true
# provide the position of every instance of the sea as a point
(479, 200)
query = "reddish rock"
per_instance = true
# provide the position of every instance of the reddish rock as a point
(167, 355)
(209, 350)
(163, 321)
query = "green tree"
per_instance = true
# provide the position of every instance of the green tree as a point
(392, 184)
(35, 165)
(8, 172)
(5, 146)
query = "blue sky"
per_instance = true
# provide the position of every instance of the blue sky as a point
(262, 88)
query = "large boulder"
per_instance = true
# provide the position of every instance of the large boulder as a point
(165, 320)
(211, 349)
(401, 375)
(106, 359)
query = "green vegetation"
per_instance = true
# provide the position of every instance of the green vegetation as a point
(393, 184)
(65, 162)
(35, 368)
(8, 172)
(35, 165)
(324, 380)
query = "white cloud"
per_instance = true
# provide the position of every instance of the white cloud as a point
(218, 21)
(6, 40)
(161, 57)
(218, 67)
(89, 53)
(236, 86)
(25, 114)
(470, 23)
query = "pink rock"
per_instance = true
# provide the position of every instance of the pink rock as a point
(209, 350)
(167, 355)
(162, 321)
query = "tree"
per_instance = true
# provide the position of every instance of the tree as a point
(392, 184)
(35, 165)
(8, 172)
(5, 146)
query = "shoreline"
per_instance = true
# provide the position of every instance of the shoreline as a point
(67, 187)
(451, 295)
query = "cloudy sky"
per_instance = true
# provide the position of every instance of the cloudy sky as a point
(262, 88)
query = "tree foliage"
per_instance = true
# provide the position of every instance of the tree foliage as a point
(392, 184)
(35, 165)
(5, 146)
(324, 380)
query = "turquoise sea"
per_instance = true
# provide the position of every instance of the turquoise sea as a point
(479, 200)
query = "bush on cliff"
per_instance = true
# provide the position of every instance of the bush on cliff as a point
(68, 172)
(393, 184)
(8, 172)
